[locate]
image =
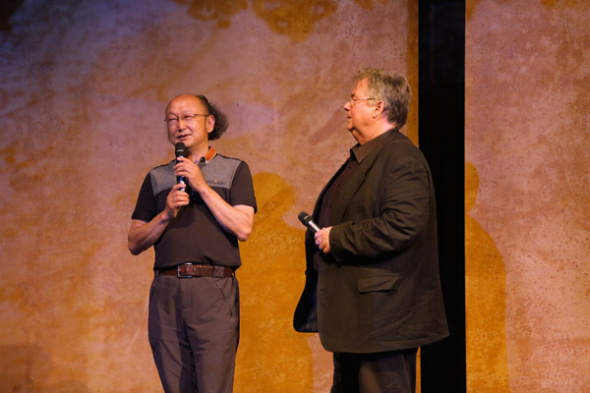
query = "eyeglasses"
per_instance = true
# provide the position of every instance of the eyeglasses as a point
(188, 118)
(352, 101)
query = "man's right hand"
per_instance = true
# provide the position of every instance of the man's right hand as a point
(176, 199)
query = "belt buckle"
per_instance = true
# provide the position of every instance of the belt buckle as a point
(179, 274)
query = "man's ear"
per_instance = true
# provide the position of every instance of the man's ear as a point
(210, 123)
(378, 109)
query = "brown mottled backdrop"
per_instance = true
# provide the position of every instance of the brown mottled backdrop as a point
(83, 86)
(527, 210)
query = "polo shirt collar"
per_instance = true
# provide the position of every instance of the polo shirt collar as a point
(209, 155)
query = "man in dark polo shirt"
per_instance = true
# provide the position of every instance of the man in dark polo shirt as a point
(194, 228)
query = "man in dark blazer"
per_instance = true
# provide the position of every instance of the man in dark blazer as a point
(375, 260)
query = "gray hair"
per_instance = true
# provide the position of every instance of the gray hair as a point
(393, 89)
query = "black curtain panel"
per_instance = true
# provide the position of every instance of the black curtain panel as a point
(441, 138)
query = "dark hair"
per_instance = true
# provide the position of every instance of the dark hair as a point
(221, 122)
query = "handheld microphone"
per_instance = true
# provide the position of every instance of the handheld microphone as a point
(180, 151)
(308, 221)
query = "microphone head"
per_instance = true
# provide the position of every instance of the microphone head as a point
(180, 150)
(304, 218)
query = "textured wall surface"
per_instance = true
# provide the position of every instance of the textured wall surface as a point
(528, 196)
(83, 86)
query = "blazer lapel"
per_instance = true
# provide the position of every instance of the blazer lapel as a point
(316, 209)
(356, 181)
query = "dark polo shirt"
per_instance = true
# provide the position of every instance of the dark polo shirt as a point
(194, 235)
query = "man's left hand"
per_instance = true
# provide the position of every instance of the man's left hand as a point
(191, 172)
(322, 239)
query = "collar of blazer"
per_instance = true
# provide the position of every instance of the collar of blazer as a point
(356, 180)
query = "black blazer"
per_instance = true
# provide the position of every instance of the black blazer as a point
(379, 289)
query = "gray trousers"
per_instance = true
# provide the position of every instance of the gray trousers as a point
(193, 329)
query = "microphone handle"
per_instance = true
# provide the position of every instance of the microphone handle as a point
(312, 225)
(180, 179)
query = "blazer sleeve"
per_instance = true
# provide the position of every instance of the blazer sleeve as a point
(389, 211)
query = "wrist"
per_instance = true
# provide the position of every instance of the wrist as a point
(167, 215)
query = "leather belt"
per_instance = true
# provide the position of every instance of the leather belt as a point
(188, 270)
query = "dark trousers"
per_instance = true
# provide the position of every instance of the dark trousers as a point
(193, 331)
(383, 372)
